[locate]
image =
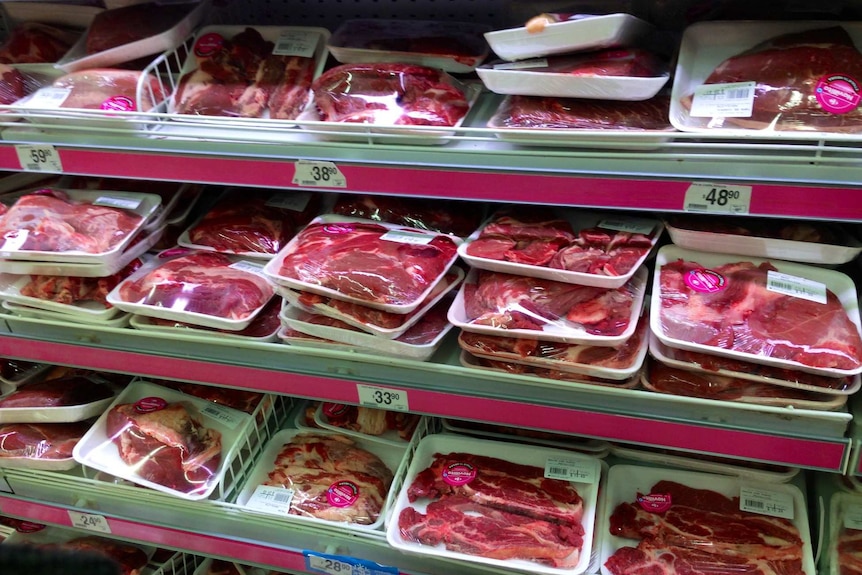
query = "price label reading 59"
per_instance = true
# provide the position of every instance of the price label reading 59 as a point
(717, 198)
(382, 397)
(39, 158)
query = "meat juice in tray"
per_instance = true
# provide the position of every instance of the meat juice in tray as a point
(844, 535)
(459, 489)
(776, 313)
(570, 246)
(703, 522)
(365, 262)
(62, 400)
(794, 79)
(165, 440)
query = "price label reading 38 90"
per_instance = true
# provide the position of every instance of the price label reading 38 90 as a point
(382, 397)
(318, 175)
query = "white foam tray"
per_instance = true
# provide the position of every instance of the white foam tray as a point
(840, 504)
(390, 436)
(145, 323)
(10, 290)
(117, 320)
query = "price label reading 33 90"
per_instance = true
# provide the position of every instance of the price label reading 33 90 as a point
(382, 397)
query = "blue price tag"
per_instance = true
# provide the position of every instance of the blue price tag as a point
(344, 565)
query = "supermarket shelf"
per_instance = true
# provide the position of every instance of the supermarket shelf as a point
(802, 438)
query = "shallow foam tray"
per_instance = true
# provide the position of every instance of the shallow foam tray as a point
(579, 220)
(390, 436)
(144, 323)
(392, 456)
(561, 330)
(64, 414)
(521, 454)
(116, 320)
(591, 33)
(840, 284)
(92, 311)
(625, 482)
(844, 513)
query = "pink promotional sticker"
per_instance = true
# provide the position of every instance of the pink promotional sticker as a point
(459, 473)
(837, 93)
(208, 44)
(149, 404)
(338, 228)
(655, 502)
(119, 104)
(29, 527)
(342, 494)
(332, 410)
(705, 281)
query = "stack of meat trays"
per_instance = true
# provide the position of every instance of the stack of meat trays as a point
(538, 502)
(558, 294)
(64, 249)
(842, 552)
(15, 372)
(759, 331)
(367, 286)
(672, 521)
(391, 427)
(593, 447)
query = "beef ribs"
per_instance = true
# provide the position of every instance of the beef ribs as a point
(130, 559)
(169, 446)
(66, 391)
(572, 113)
(41, 440)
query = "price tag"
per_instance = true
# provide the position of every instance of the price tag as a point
(631, 225)
(795, 286)
(523, 64)
(318, 175)
(271, 499)
(41, 158)
(717, 198)
(382, 397)
(577, 470)
(293, 201)
(115, 202)
(89, 521)
(302, 43)
(731, 100)
(343, 565)
(5, 487)
(766, 502)
(403, 237)
(225, 415)
(853, 517)
(250, 267)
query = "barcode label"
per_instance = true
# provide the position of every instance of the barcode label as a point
(732, 100)
(403, 237)
(226, 416)
(48, 98)
(271, 499)
(577, 470)
(853, 517)
(523, 64)
(796, 286)
(766, 502)
(250, 267)
(302, 43)
(115, 202)
(293, 201)
(630, 225)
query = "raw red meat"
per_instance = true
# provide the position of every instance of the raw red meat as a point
(169, 446)
(110, 89)
(53, 222)
(388, 94)
(746, 317)
(618, 62)
(850, 552)
(41, 440)
(515, 302)
(75, 390)
(788, 70)
(555, 374)
(13, 85)
(70, 290)
(130, 559)
(444, 216)
(354, 260)
(464, 526)
(369, 420)
(603, 251)
(14, 369)
(127, 24)
(817, 232)
(200, 283)
(528, 236)
(265, 323)
(36, 43)
(571, 113)
(240, 399)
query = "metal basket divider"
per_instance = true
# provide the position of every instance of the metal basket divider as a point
(180, 563)
(166, 69)
(427, 425)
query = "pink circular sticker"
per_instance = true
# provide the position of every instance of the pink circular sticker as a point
(342, 493)
(459, 473)
(173, 252)
(837, 93)
(334, 409)
(655, 502)
(148, 404)
(705, 281)
(119, 104)
(208, 44)
(29, 527)
(338, 228)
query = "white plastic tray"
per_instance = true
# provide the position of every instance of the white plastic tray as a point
(65, 414)
(521, 454)
(10, 290)
(273, 268)
(561, 330)
(392, 456)
(594, 447)
(312, 342)
(836, 282)
(390, 436)
(579, 220)
(349, 43)
(591, 33)
(625, 482)
(117, 320)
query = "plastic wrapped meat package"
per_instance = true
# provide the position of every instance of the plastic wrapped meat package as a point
(394, 427)
(378, 265)
(452, 505)
(454, 217)
(776, 313)
(60, 400)
(773, 77)
(674, 520)
(36, 43)
(250, 72)
(40, 445)
(164, 439)
(15, 84)
(323, 476)
(202, 288)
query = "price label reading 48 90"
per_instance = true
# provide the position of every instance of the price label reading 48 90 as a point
(717, 198)
(382, 397)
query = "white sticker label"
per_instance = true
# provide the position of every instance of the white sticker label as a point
(225, 415)
(89, 521)
(302, 43)
(382, 397)
(766, 502)
(15, 240)
(293, 201)
(732, 100)
(631, 225)
(403, 237)
(717, 198)
(115, 202)
(48, 98)
(853, 517)
(41, 158)
(250, 267)
(523, 64)
(795, 286)
(271, 499)
(329, 566)
(4, 486)
(579, 471)
(318, 175)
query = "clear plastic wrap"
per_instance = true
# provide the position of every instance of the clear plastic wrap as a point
(536, 112)
(16, 84)
(61, 392)
(438, 215)
(264, 327)
(36, 43)
(109, 89)
(39, 441)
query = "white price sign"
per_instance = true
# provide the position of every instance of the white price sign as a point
(766, 502)
(271, 499)
(115, 202)
(717, 198)
(225, 415)
(796, 286)
(89, 521)
(404, 237)
(382, 397)
(39, 158)
(318, 175)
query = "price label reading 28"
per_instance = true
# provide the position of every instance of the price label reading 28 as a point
(717, 198)
(382, 397)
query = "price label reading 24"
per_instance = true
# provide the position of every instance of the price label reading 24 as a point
(89, 521)
(717, 198)
(383, 397)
